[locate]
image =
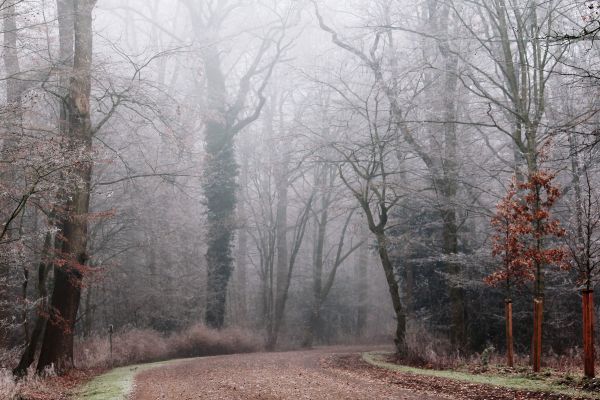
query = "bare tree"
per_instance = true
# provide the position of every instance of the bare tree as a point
(323, 279)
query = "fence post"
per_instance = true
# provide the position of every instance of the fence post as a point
(509, 333)
(538, 315)
(110, 334)
(588, 333)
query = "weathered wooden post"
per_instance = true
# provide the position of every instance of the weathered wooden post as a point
(538, 313)
(110, 333)
(588, 332)
(509, 333)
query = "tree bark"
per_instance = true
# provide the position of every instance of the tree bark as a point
(241, 257)
(362, 285)
(282, 263)
(220, 191)
(88, 320)
(28, 356)
(321, 220)
(279, 307)
(400, 339)
(449, 184)
(57, 346)
(225, 119)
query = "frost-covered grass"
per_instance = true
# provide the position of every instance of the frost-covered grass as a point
(46, 386)
(8, 387)
(116, 384)
(517, 382)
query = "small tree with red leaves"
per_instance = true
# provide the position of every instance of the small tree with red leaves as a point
(539, 196)
(507, 242)
(508, 246)
(524, 230)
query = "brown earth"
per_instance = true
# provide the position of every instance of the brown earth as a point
(326, 373)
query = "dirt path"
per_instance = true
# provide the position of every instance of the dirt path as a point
(290, 375)
(328, 373)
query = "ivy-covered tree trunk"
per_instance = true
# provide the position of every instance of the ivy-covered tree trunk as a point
(239, 290)
(220, 192)
(227, 114)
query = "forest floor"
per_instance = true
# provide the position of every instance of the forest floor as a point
(324, 373)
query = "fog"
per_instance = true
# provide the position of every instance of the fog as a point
(306, 172)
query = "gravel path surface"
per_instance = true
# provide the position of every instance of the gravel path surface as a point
(267, 376)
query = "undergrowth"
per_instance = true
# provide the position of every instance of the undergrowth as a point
(138, 346)
(133, 346)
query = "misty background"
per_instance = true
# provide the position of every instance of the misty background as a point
(250, 158)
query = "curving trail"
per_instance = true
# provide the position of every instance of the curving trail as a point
(267, 376)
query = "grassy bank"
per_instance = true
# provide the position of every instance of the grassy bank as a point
(116, 384)
(517, 382)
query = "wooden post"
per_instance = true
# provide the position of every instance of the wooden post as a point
(509, 333)
(110, 334)
(538, 313)
(588, 332)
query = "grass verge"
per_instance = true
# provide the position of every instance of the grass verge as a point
(510, 382)
(116, 384)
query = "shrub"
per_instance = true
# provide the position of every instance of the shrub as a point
(11, 389)
(428, 350)
(140, 346)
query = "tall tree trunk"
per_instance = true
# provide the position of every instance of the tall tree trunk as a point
(57, 346)
(282, 262)
(220, 191)
(449, 185)
(392, 281)
(66, 27)
(88, 320)
(279, 307)
(28, 356)
(318, 260)
(225, 118)
(241, 257)
(362, 284)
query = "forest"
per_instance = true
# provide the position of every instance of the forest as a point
(188, 178)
